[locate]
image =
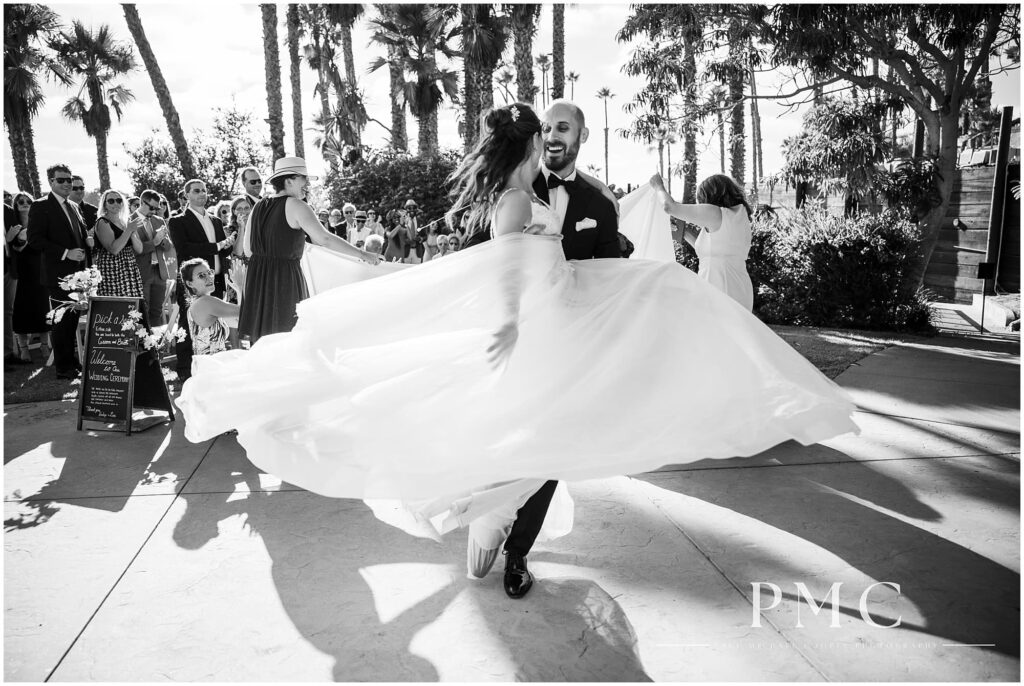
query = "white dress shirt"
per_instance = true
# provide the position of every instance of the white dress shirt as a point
(558, 197)
(204, 219)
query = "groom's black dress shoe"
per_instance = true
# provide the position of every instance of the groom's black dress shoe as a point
(518, 579)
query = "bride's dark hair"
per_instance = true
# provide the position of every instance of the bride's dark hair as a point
(504, 141)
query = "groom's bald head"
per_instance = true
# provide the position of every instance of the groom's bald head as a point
(566, 108)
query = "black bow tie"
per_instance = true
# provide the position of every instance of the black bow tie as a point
(554, 181)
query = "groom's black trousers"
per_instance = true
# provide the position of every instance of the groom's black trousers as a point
(529, 520)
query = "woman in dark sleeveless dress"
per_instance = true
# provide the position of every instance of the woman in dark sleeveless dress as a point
(275, 239)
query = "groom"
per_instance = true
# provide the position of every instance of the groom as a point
(589, 229)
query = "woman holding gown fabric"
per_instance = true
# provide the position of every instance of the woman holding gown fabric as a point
(562, 370)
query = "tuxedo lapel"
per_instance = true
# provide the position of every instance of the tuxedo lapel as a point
(57, 211)
(540, 188)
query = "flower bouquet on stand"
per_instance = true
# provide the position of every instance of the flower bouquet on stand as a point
(81, 286)
(148, 339)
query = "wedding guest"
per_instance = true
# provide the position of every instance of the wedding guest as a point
(115, 260)
(206, 312)
(454, 242)
(348, 230)
(31, 300)
(57, 229)
(444, 246)
(133, 204)
(165, 208)
(723, 241)
(152, 233)
(252, 185)
(396, 238)
(274, 283)
(196, 234)
(410, 217)
(362, 230)
(77, 195)
(374, 244)
(11, 231)
(373, 223)
(335, 222)
(323, 216)
(240, 211)
(222, 211)
(431, 232)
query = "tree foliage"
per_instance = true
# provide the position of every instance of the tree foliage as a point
(231, 144)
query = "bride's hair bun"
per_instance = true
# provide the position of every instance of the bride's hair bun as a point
(516, 119)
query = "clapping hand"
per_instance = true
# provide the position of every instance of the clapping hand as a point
(236, 277)
(504, 342)
(90, 240)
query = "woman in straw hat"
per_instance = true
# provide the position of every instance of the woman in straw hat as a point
(275, 237)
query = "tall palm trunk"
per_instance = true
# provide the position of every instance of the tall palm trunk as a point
(558, 51)
(30, 158)
(428, 134)
(485, 86)
(399, 134)
(19, 159)
(523, 30)
(721, 135)
(470, 81)
(272, 62)
(101, 158)
(689, 122)
(296, 79)
(606, 141)
(163, 93)
(350, 63)
(737, 145)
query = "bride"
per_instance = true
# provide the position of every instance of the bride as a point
(561, 370)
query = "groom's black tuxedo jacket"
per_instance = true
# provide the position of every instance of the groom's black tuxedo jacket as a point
(189, 239)
(585, 202)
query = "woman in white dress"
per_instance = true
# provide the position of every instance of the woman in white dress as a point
(561, 370)
(723, 243)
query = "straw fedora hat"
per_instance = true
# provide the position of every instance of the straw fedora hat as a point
(290, 165)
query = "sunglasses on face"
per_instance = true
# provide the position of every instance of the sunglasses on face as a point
(115, 201)
(62, 179)
(78, 188)
(255, 182)
(24, 203)
(151, 208)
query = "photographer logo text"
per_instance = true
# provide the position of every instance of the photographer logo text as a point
(832, 597)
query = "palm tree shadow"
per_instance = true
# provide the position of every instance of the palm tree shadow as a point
(960, 594)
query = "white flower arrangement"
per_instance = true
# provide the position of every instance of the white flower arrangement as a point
(81, 286)
(147, 338)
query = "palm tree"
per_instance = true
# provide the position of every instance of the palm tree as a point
(505, 78)
(605, 94)
(420, 32)
(318, 52)
(572, 78)
(558, 51)
(99, 60)
(524, 28)
(544, 62)
(484, 35)
(163, 93)
(295, 74)
(718, 100)
(27, 29)
(345, 17)
(735, 82)
(399, 136)
(272, 63)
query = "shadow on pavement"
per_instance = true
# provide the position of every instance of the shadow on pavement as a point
(961, 595)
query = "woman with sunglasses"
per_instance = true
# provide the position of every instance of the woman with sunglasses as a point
(116, 262)
(31, 300)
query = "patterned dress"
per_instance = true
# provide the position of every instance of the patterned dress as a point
(121, 276)
(207, 340)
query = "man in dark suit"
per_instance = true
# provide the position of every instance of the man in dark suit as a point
(156, 249)
(590, 227)
(197, 234)
(252, 185)
(58, 230)
(77, 196)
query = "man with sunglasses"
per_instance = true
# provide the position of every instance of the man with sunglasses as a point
(252, 185)
(77, 196)
(57, 228)
(156, 247)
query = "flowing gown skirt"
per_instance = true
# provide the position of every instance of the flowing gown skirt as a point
(621, 366)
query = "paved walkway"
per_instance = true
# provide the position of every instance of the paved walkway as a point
(149, 558)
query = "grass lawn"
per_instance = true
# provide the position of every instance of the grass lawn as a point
(830, 350)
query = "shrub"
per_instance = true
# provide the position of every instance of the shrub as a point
(813, 269)
(385, 179)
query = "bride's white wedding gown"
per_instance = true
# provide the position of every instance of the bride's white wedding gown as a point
(621, 366)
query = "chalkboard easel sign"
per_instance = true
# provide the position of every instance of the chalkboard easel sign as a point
(119, 378)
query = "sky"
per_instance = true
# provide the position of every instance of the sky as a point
(211, 55)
